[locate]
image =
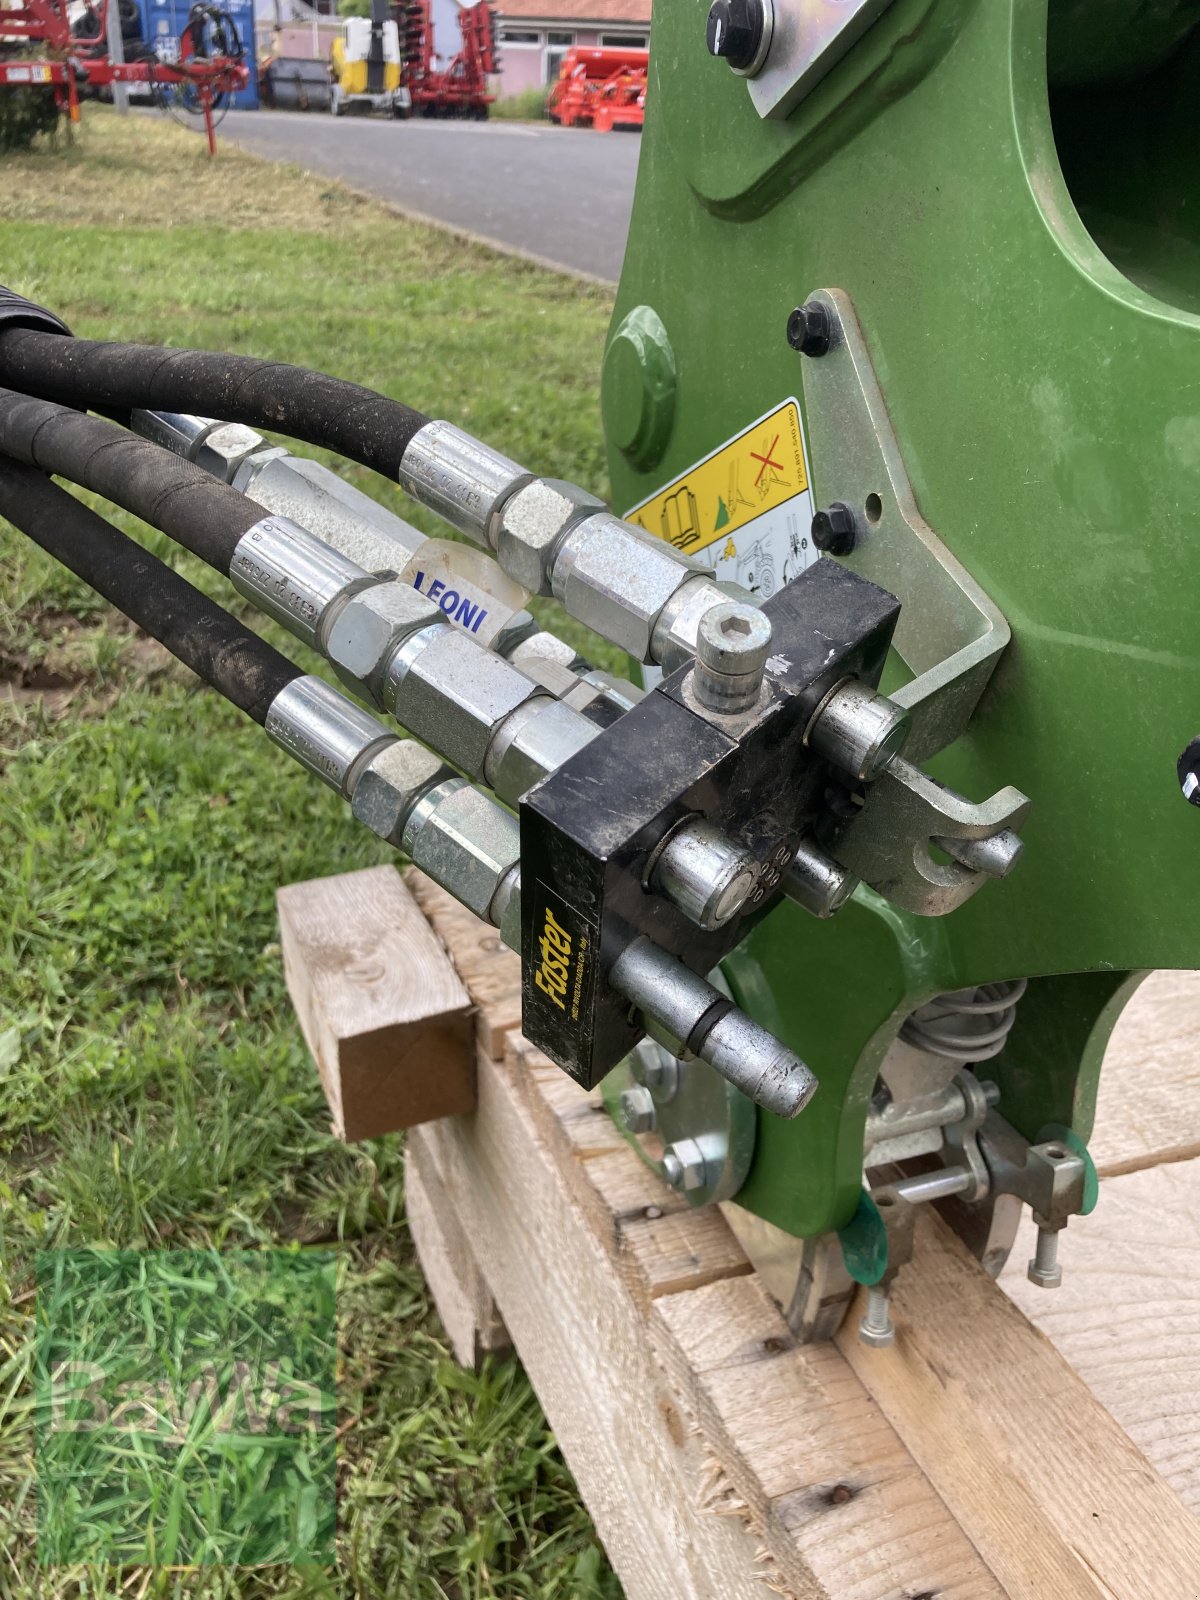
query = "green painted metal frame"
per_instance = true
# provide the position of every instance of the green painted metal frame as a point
(1048, 411)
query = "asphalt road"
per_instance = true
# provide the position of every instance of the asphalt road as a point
(562, 195)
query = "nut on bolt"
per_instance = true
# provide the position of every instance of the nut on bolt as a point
(683, 1165)
(637, 1110)
(809, 329)
(390, 785)
(835, 530)
(739, 32)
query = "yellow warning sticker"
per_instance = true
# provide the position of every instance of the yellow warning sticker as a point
(745, 508)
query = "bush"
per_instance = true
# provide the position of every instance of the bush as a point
(529, 106)
(25, 114)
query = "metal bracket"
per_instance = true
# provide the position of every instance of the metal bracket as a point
(905, 804)
(809, 38)
(950, 635)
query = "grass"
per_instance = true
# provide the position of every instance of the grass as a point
(528, 106)
(154, 1089)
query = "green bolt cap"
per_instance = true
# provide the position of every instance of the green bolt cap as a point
(637, 394)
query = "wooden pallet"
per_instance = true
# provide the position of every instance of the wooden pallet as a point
(1018, 1443)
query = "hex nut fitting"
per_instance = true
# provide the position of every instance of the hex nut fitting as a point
(537, 740)
(369, 629)
(453, 695)
(390, 785)
(674, 640)
(834, 531)
(636, 1108)
(223, 449)
(530, 524)
(683, 1165)
(809, 329)
(465, 842)
(617, 579)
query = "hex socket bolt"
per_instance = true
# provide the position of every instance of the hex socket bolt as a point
(859, 731)
(733, 642)
(702, 872)
(672, 998)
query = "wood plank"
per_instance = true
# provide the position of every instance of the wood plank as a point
(1054, 1496)
(463, 1300)
(1148, 1108)
(382, 1008)
(1127, 1316)
(626, 1429)
(490, 970)
(643, 1475)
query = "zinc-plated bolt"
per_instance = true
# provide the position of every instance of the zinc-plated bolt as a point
(876, 1327)
(637, 1110)
(683, 1164)
(808, 329)
(1044, 1269)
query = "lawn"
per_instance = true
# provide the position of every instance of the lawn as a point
(155, 1092)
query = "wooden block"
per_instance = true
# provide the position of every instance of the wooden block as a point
(464, 1302)
(1054, 1496)
(1127, 1316)
(1148, 1110)
(490, 970)
(652, 1453)
(382, 1009)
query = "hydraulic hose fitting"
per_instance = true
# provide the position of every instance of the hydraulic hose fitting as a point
(327, 734)
(461, 478)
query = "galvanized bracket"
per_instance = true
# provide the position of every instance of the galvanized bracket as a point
(950, 635)
(808, 38)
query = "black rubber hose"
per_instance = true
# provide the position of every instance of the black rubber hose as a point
(196, 630)
(355, 422)
(176, 496)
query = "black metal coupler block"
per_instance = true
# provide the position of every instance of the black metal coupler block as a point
(588, 830)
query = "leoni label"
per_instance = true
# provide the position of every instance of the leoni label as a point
(745, 508)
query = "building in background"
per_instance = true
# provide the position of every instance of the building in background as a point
(534, 35)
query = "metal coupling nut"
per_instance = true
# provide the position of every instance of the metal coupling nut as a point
(616, 578)
(464, 841)
(532, 522)
(390, 784)
(369, 629)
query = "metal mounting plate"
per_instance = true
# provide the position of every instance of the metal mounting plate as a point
(810, 37)
(950, 635)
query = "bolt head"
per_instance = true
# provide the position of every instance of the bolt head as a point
(809, 329)
(877, 1338)
(1188, 768)
(734, 31)
(637, 1110)
(834, 531)
(683, 1165)
(1044, 1277)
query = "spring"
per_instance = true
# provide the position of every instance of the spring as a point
(966, 1025)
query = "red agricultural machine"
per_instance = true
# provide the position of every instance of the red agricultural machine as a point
(460, 89)
(210, 67)
(603, 88)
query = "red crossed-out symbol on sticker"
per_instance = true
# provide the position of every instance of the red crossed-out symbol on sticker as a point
(767, 460)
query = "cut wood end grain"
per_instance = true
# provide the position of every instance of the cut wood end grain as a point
(384, 1013)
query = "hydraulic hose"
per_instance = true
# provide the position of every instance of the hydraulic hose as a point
(196, 630)
(119, 378)
(176, 496)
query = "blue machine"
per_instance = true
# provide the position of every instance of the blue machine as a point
(163, 22)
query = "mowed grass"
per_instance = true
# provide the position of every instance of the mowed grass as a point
(154, 1088)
